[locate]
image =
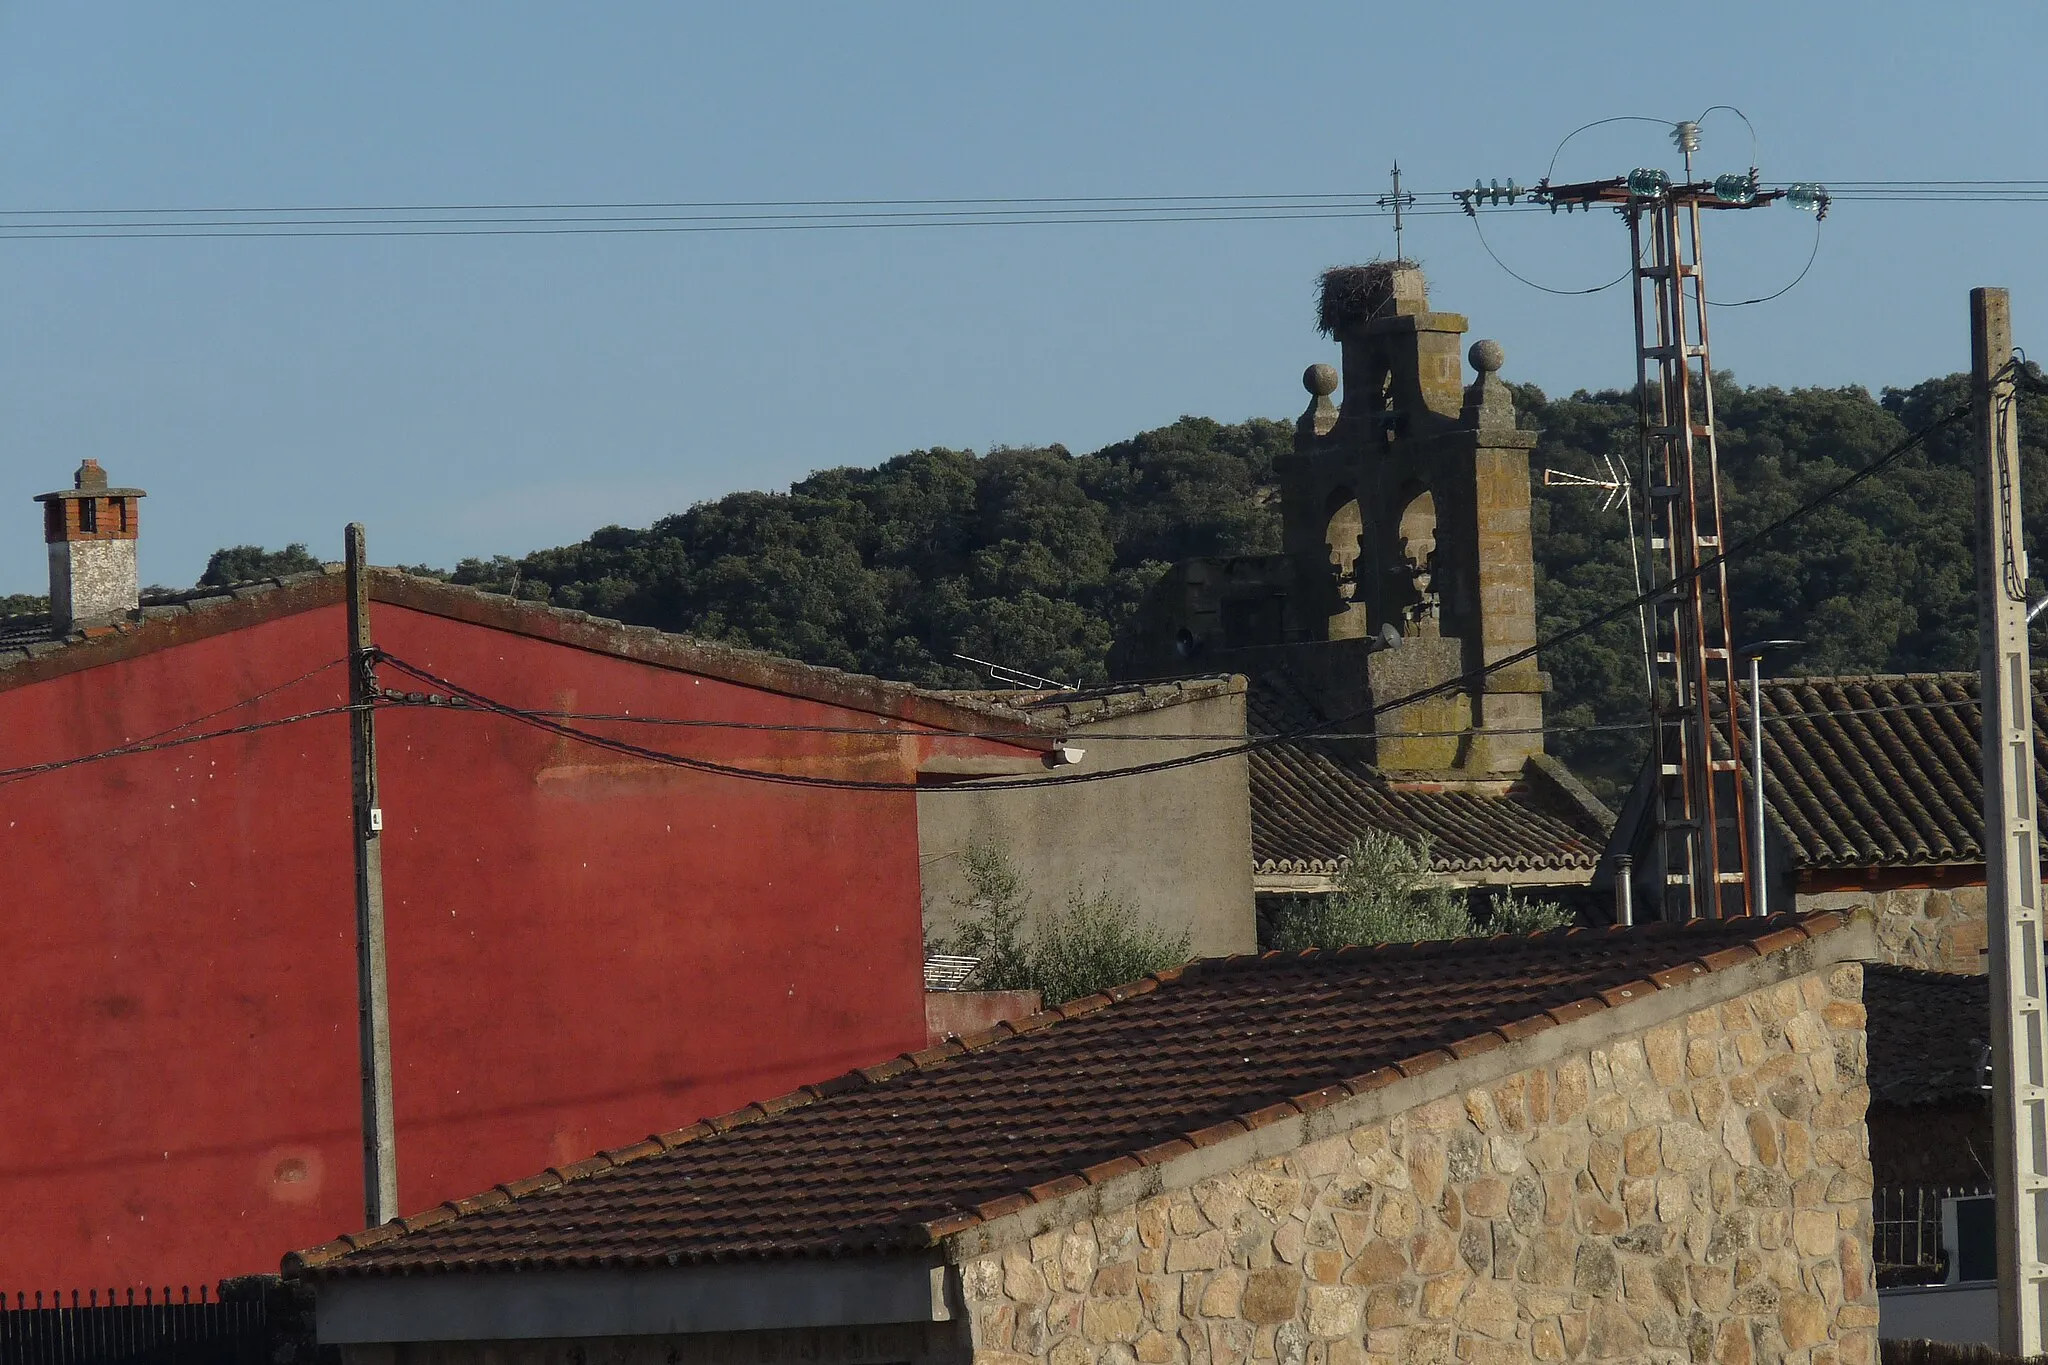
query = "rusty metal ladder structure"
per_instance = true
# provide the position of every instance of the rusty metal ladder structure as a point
(1701, 824)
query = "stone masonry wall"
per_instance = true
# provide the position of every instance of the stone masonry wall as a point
(1936, 930)
(1699, 1192)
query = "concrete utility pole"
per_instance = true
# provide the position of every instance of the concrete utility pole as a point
(380, 1137)
(2012, 871)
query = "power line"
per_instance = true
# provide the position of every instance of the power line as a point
(158, 746)
(1338, 208)
(1811, 257)
(1102, 201)
(1513, 273)
(435, 701)
(635, 205)
(148, 232)
(1248, 746)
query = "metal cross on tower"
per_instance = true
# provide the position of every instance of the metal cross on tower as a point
(1396, 201)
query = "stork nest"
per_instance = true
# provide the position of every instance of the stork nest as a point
(1353, 294)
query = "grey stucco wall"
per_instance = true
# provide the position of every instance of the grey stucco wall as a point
(91, 580)
(1176, 844)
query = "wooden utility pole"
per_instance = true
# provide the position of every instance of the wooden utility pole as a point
(380, 1138)
(2012, 870)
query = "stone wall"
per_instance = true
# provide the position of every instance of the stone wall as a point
(1698, 1192)
(1934, 929)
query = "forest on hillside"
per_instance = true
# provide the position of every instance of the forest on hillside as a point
(1034, 557)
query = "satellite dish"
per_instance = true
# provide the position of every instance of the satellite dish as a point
(1185, 644)
(1390, 636)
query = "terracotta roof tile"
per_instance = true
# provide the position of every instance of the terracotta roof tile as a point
(1311, 800)
(1880, 771)
(875, 1165)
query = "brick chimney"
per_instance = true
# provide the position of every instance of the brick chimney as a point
(90, 530)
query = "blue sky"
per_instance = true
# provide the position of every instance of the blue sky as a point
(480, 395)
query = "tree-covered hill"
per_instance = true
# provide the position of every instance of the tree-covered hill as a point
(1879, 580)
(1034, 557)
(1031, 557)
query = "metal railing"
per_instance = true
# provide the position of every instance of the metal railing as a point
(238, 1325)
(1905, 1240)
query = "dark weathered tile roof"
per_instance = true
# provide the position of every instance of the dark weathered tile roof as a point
(901, 1155)
(1090, 704)
(167, 618)
(1880, 771)
(17, 633)
(1311, 801)
(31, 637)
(1926, 1034)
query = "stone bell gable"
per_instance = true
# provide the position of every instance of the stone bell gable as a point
(1396, 626)
(1405, 516)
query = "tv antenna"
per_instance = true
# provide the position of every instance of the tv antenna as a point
(1617, 491)
(1017, 677)
(1614, 488)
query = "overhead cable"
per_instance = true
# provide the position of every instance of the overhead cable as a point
(1249, 746)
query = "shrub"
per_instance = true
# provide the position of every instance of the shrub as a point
(1097, 941)
(1385, 895)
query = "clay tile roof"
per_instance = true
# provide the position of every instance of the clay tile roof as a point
(1880, 771)
(900, 1155)
(1311, 800)
(1925, 1031)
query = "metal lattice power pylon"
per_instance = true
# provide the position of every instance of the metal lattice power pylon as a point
(1703, 838)
(1699, 807)
(1699, 814)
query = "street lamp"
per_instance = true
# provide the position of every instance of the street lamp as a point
(1755, 652)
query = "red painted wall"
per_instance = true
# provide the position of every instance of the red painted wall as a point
(583, 948)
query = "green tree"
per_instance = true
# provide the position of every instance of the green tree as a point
(23, 604)
(1386, 895)
(246, 563)
(1877, 580)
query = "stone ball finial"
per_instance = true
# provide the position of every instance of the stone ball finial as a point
(1486, 356)
(1320, 380)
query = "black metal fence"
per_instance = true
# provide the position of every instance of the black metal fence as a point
(1906, 1231)
(1944, 1353)
(249, 1322)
